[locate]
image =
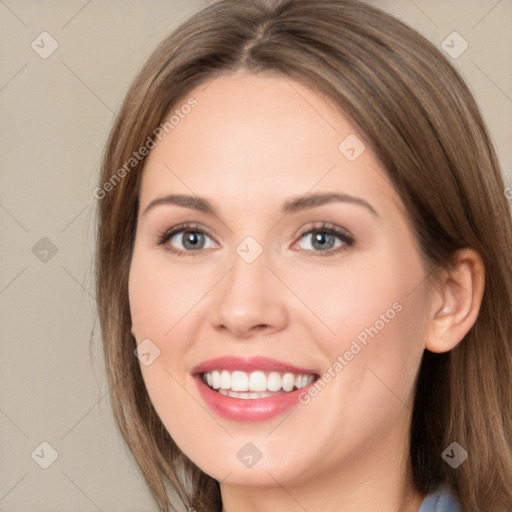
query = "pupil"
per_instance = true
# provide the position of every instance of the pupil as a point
(192, 240)
(323, 239)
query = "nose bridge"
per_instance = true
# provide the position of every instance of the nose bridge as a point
(248, 298)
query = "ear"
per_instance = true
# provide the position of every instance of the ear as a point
(456, 301)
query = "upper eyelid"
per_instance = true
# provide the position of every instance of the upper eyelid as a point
(324, 225)
(197, 227)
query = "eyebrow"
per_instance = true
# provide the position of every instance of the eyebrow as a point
(297, 204)
(292, 205)
(193, 202)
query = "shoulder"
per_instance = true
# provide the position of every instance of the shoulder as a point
(441, 500)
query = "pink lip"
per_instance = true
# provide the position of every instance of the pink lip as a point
(254, 409)
(248, 364)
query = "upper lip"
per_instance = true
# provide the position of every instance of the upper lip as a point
(249, 364)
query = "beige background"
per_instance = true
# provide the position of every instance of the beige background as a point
(56, 114)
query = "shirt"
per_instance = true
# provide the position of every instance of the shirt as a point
(441, 500)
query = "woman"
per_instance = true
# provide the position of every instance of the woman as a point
(303, 237)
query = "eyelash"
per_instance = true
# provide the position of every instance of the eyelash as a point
(322, 227)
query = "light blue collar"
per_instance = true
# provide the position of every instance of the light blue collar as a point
(440, 501)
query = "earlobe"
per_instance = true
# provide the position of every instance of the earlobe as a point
(457, 300)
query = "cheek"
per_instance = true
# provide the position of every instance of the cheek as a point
(161, 296)
(159, 300)
(376, 313)
(163, 304)
(362, 302)
(372, 321)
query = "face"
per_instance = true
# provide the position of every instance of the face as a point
(274, 261)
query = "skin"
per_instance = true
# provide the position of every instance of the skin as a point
(252, 142)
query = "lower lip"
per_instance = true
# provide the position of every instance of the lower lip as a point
(248, 409)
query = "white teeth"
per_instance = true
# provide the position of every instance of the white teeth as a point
(215, 379)
(288, 381)
(240, 384)
(303, 380)
(225, 379)
(274, 381)
(235, 394)
(257, 381)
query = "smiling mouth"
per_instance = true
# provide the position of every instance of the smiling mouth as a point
(256, 384)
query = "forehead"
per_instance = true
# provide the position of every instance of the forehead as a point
(250, 137)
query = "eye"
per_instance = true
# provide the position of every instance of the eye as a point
(186, 238)
(326, 238)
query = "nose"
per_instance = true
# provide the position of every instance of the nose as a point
(250, 300)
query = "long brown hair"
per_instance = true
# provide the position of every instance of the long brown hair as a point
(421, 120)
